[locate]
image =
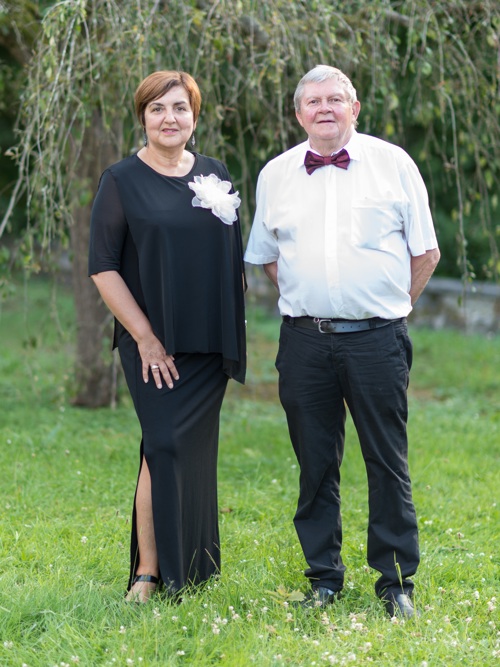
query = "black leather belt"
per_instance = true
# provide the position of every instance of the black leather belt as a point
(337, 325)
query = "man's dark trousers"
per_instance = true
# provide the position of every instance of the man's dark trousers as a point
(369, 371)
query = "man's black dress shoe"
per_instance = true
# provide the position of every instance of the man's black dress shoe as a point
(399, 604)
(319, 596)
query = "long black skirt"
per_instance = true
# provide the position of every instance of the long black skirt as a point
(180, 436)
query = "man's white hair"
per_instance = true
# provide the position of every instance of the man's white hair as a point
(322, 73)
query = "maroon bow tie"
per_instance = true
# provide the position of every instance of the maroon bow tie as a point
(314, 161)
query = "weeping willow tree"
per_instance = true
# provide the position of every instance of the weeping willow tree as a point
(427, 73)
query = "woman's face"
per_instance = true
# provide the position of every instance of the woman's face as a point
(169, 121)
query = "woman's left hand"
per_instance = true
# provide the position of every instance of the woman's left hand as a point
(154, 357)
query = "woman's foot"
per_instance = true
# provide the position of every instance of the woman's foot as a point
(143, 587)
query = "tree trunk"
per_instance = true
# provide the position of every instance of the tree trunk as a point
(95, 366)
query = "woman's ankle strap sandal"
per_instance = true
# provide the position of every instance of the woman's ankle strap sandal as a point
(148, 578)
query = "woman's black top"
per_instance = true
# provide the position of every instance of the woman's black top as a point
(182, 264)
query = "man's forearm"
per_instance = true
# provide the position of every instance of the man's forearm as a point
(422, 268)
(271, 271)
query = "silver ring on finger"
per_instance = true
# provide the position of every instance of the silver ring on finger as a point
(154, 367)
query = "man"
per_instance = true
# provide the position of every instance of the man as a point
(350, 247)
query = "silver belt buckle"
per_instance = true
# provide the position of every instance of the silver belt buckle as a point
(319, 321)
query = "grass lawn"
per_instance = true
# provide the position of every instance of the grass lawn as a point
(67, 484)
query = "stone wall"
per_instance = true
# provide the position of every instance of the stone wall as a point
(449, 303)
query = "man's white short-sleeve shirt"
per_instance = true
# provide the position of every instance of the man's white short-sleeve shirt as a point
(342, 238)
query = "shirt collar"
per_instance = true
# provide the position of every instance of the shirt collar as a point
(352, 147)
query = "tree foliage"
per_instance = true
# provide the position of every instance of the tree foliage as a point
(427, 73)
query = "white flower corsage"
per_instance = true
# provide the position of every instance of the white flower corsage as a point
(213, 193)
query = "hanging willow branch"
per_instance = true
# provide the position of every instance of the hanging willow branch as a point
(427, 73)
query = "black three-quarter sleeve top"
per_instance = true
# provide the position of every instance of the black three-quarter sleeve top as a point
(182, 264)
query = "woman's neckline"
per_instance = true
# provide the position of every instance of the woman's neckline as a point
(159, 173)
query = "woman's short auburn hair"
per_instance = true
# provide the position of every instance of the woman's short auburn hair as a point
(157, 84)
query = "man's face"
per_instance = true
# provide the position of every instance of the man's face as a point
(327, 115)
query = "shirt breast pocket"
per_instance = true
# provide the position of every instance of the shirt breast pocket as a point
(373, 221)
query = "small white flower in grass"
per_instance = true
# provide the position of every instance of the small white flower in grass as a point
(84, 539)
(181, 653)
(123, 629)
(211, 192)
(156, 613)
(8, 645)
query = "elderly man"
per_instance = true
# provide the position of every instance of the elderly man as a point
(344, 231)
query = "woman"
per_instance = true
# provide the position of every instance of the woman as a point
(166, 256)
